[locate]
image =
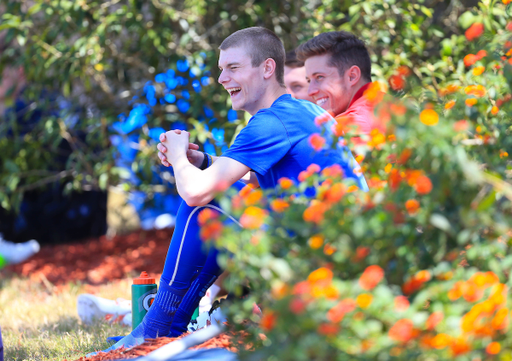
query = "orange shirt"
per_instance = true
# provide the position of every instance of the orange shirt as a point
(360, 112)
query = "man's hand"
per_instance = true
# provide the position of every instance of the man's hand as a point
(194, 156)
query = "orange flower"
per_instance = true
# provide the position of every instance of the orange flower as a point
(478, 70)
(268, 321)
(339, 311)
(211, 231)
(364, 300)
(315, 212)
(335, 193)
(333, 171)
(322, 274)
(412, 206)
(415, 282)
(461, 125)
(470, 292)
(403, 70)
(371, 277)
(470, 59)
(285, 183)
(459, 346)
(361, 253)
(481, 54)
(376, 138)
(316, 141)
(302, 288)
(474, 31)
(329, 250)
(396, 82)
(500, 320)
(398, 109)
(297, 306)
(394, 179)
(423, 185)
(476, 90)
(328, 329)
(433, 320)
(495, 109)
(279, 205)
(253, 217)
(493, 348)
(441, 340)
(503, 154)
(206, 215)
(322, 118)
(456, 291)
(375, 92)
(253, 197)
(316, 241)
(401, 331)
(429, 117)
(450, 104)
(313, 168)
(401, 303)
(471, 101)
(450, 89)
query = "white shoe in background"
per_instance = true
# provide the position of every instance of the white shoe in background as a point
(90, 307)
(13, 253)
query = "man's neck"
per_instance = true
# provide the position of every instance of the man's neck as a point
(269, 97)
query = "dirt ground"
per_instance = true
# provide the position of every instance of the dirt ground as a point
(97, 261)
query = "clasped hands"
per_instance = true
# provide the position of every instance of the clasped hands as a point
(175, 143)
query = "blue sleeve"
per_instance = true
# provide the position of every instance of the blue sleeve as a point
(261, 144)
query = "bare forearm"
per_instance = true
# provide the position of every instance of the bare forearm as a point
(191, 183)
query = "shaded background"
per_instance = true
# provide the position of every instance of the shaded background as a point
(88, 86)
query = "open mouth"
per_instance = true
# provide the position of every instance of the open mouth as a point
(321, 101)
(233, 91)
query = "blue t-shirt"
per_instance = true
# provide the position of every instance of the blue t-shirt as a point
(275, 143)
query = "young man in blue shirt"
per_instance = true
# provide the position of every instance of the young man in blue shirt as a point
(275, 144)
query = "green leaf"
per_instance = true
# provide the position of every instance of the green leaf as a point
(440, 221)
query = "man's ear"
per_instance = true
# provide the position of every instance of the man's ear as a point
(269, 68)
(352, 75)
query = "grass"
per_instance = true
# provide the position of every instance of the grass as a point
(39, 321)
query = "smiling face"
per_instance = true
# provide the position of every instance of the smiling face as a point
(296, 83)
(244, 83)
(327, 87)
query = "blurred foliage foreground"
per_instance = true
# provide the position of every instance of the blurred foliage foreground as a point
(418, 267)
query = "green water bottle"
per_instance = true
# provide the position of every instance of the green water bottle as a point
(143, 294)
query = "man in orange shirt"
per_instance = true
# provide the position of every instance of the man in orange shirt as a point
(338, 70)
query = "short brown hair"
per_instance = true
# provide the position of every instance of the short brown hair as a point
(345, 49)
(261, 44)
(292, 61)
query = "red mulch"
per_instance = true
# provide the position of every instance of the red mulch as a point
(97, 261)
(224, 340)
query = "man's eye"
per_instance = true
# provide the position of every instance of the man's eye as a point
(320, 77)
(297, 88)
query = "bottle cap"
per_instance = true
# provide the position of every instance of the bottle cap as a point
(143, 279)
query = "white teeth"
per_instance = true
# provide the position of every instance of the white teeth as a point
(232, 91)
(321, 101)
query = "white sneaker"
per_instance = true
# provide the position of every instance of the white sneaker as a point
(91, 307)
(206, 319)
(17, 252)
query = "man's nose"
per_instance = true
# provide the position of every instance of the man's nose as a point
(312, 89)
(223, 78)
